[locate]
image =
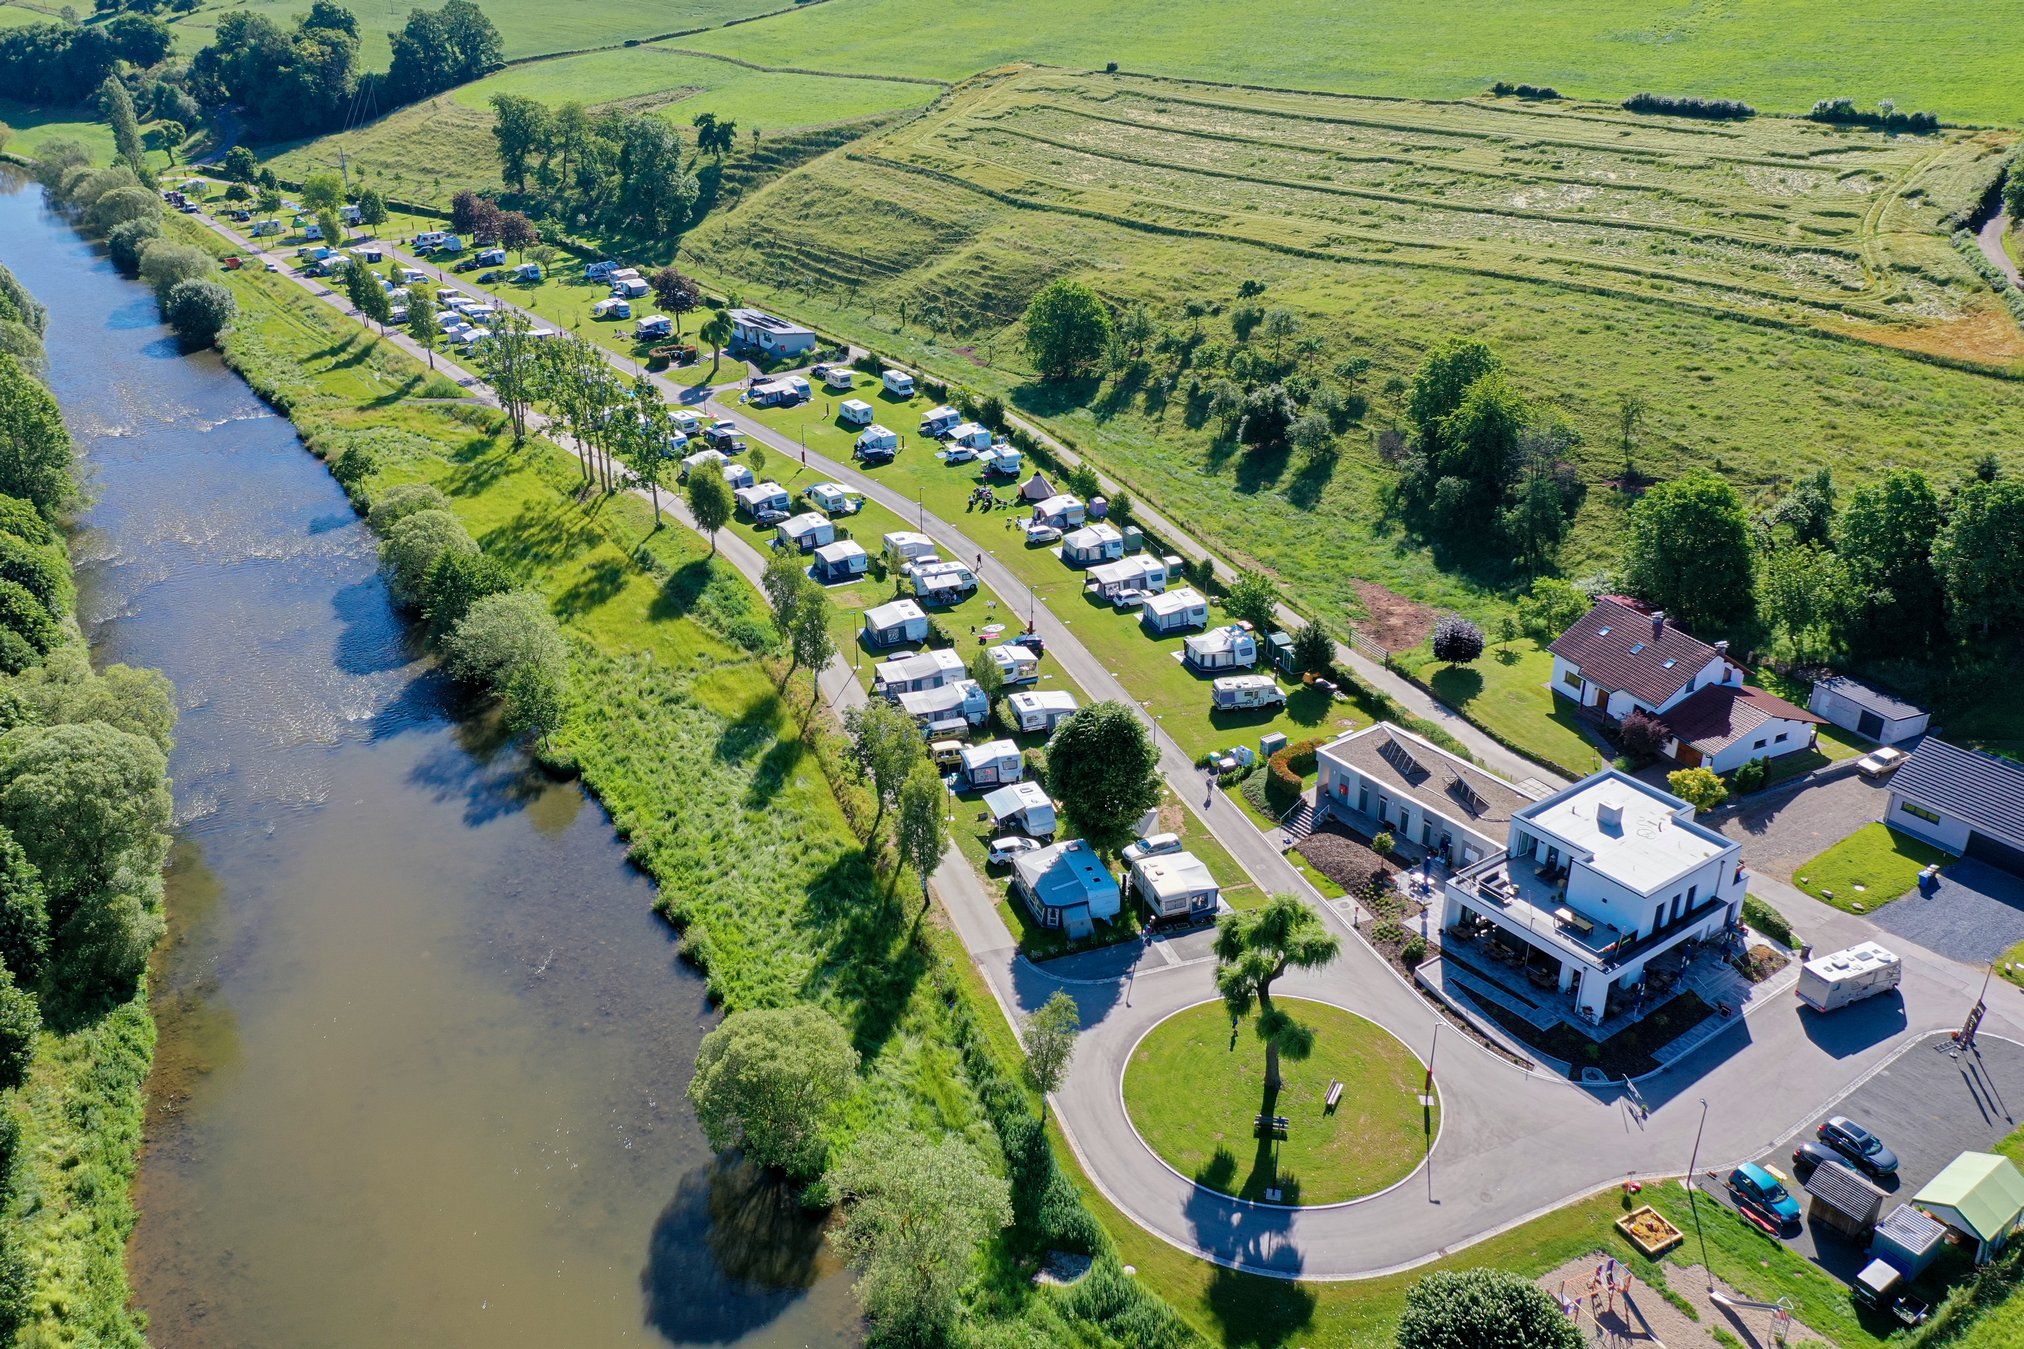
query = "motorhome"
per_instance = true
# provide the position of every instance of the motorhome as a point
(1242, 693)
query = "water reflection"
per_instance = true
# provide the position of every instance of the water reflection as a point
(423, 1044)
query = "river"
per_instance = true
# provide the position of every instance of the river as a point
(423, 1042)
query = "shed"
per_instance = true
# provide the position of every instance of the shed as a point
(1175, 885)
(1020, 805)
(807, 531)
(1981, 1196)
(1040, 709)
(992, 764)
(891, 624)
(1908, 1240)
(1036, 488)
(1843, 1201)
(1066, 886)
(855, 412)
(1174, 611)
(842, 560)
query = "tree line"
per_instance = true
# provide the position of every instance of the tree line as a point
(611, 171)
(84, 817)
(64, 64)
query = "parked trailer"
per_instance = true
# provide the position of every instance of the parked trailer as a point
(1835, 980)
(1242, 692)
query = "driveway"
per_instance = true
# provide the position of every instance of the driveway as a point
(1781, 831)
(1929, 1108)
(1973, 914)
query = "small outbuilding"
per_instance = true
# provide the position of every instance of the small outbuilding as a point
(1979, 1195)
(1174, 611)
(1022, 806)
(895, 623)
(805, 532)
(1040, 709)
(992, 764)
(1064, 885)
(1092, 544)
(843, 560)
(855, 412)
(1908, 1240)
(1843, 1201)
(1230, 647)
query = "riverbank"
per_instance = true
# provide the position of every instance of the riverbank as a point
(74, 931)
(679, 725)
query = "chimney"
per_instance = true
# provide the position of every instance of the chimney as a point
(1722, 649)
(1658, 624)
(1609, 815)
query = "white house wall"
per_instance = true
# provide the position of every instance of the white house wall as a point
(1948, 832)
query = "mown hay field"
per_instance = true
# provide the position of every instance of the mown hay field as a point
(1774, 288)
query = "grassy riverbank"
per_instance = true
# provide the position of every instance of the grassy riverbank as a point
(725, 787)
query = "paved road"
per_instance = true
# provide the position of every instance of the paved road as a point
(1512, 1144)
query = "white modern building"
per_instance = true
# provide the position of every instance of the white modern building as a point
(757, 330)
(1867, 710)
(1598, 879)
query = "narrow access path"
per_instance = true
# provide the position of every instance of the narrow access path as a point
(1989, 239)
(1512, 1145)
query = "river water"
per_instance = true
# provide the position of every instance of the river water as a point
(423, 1042)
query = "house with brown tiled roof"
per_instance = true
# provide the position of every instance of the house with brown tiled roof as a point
(1724, 726)
(1619, 657)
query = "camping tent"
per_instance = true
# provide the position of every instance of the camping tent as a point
(1980, 1195)
(1037, 488)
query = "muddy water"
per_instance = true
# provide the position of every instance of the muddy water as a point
(423, 1044)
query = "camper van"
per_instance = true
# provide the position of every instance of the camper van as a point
(898, 383)
(839, 379)
(429, 240)
(940, 420)
(262, 228)
(611, 309)
(656, 325)
(492, 257)
(1241, 693)
(1835, 980)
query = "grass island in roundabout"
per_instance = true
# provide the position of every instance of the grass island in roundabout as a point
(1194, 1089)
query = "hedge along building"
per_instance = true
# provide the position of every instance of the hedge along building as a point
(1384, 778)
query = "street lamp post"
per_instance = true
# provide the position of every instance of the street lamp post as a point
(1693, 1162)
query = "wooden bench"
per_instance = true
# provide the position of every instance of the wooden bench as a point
(1276, 1125)
(1334, 1096)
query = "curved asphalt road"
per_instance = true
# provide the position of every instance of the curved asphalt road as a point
(1512, 1145)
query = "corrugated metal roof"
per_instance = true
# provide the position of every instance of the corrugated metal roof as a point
(1911, 1229)
(1982, 789)
(1845, 1192)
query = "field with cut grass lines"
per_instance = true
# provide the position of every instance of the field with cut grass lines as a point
(1784, 294)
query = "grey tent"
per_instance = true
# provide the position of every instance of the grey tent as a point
(1037, 488)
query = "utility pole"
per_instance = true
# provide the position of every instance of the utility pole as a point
(1693, 1162)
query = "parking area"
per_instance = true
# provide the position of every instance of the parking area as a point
(1928, 1108)
(1787, 829)
(1974, 913)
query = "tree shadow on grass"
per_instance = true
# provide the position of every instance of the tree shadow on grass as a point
(1254, 1312)
(532, 540)
(870, 963)
(1051, 398)
(682, 591)
(1310, 484)
(773, 770)
(599, 585)
(1457, 685)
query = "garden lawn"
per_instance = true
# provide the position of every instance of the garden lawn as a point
(1507, 691)
(1871, 867)
(1194, 1086)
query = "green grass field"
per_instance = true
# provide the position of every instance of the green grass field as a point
(1194, 1085)
(1779, 55)
(526, 27)
(1871, 867)
(1385, 225)
(33, 126)
(430, 150)
(1505, 692)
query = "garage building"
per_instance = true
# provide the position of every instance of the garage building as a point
(1867, 710)
(1963, 800)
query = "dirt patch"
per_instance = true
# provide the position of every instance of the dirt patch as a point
(1642, 1314)
(1761, 963)
(1390, 619)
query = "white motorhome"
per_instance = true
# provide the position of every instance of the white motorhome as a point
(1237, 693)
(1835, 980)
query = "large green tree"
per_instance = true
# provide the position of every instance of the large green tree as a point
(1443, 379)
(510, 644)
(885, 747)
(1104, 769)
(1067, 329)
(85, 802)
(922, 834)
(1480, 1308)
(1805, 595)
(34, 446)
(710, 503)
(1886, 536)
(117, 106)
(1049, 1034)
(1253, 948)
(1980, 558)
(1687, 550)
(915, 1214)
(770, 1080)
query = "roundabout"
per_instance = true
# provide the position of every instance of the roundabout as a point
(1194, 1091)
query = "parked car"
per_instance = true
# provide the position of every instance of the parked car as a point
(1129, 599)
(492, 278)
(946, 753)
(467, 265)
(1859, 1146)
(1752, 1183)
(1881, 763)
(1042, 534)
(1809, 1155)
(1003, 850)
(1153, 845)
(772, 515)
(1032, 641)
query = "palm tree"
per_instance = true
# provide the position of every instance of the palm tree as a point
(717, 332)
(1255, 947)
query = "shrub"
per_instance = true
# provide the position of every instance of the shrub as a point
(509, 644)
(24, 914)
(199, 311)
(1677, 105)
(38, 571)
(1284, 773)
(412, 546)
(353, 467)
(1384, 845)
(1698, 787)
(1466, 1309)
(1457, 641)
(25, 616)
(121, 205)
(1643, 735)
(1524, 90)
(1413, 952)
(24, 522)
(124, 241)
(397, 503)
(1750, 777)
(164, 263)
(1768, 921)
(457, 580)
(20, 1023)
